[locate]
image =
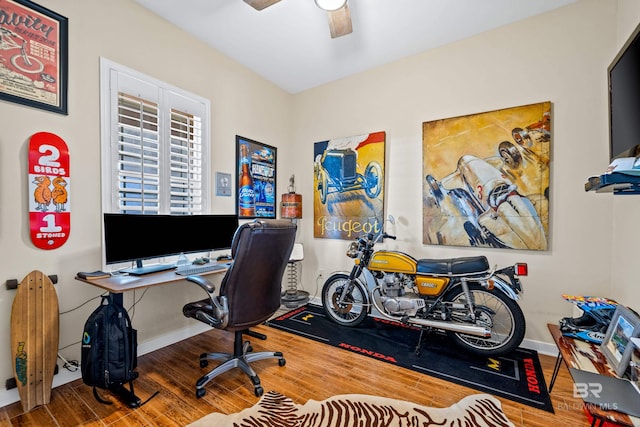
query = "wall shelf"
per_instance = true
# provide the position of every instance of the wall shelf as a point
(616, 183)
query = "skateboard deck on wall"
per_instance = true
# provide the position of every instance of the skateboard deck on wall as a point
(34, 338)
(49, 189)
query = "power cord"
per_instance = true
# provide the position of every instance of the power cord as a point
(69, 365)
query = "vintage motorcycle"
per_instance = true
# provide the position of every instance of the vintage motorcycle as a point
(474, 304)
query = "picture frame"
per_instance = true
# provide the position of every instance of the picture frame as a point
(255, 179)
(223, 184)
(617, 346)
(634, 364)
(34, 56)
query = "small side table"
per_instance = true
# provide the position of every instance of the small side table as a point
(587, 357)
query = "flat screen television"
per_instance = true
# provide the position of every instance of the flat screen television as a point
(137, 237)
(624, 99)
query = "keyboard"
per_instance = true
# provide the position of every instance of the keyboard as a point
(200, 269)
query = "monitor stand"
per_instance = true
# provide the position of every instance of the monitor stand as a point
(140, 270)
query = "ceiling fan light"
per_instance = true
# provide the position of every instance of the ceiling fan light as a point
(330, 5)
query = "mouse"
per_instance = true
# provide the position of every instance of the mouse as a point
(224, 258)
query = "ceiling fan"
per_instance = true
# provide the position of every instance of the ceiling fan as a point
(337, 11)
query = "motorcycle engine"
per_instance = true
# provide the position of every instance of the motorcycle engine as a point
(396, 300)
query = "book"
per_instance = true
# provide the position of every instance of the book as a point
(92, 275)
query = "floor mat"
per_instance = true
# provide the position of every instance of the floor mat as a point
(516, 376)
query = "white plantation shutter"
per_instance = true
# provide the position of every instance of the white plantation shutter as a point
(185, 158)
(138, 177)
(154, 146)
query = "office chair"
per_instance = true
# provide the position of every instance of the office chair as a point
(249, 295)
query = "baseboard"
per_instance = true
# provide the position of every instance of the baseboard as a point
(63, 377)
(545, 348)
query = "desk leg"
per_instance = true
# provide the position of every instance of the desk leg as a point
(125, 396)
(556, 368)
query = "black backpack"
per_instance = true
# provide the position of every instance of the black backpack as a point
(110, 351)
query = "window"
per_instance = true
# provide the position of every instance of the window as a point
(155, 145)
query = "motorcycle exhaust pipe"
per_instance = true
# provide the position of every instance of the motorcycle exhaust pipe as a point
(460, 328)
(479, 331)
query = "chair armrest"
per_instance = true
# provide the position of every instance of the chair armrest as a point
(202, 282)
(220, 308)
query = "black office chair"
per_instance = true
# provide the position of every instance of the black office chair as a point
(250, 294)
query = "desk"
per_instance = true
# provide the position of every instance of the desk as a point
(118, 284)
(585, 356)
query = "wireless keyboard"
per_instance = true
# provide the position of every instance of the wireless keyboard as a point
(200, 269)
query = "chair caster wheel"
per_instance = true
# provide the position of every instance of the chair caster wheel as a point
(204, 363)
(282, 362)
(259, 391)
(200, 392)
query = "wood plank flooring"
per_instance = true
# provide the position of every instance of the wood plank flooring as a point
(313, 371)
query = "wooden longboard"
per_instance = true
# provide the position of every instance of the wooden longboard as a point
(34, 338)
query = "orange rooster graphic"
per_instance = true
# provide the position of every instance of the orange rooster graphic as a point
(59, 193)
(42, 193)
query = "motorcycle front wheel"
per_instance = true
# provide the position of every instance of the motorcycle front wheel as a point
(352, 310)
(497, 312)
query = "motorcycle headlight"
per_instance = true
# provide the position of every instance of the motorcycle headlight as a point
(352, 251)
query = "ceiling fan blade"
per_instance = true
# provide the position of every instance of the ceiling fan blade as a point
(260, 4)
(340, 22)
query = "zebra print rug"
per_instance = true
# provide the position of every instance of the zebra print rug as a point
(350, 410)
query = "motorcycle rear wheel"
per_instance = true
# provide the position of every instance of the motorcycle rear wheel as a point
(496, 311)
(353, 310)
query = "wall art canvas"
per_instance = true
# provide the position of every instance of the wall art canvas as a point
(348, 196)
(486, 179)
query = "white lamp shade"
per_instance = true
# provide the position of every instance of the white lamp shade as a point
(330, 5)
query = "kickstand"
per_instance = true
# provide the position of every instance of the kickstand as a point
(419, 345)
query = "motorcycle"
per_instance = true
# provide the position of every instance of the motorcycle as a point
(475, 305)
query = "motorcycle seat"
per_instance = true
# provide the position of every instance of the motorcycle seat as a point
(456, 266)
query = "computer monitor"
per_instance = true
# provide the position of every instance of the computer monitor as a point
(138, 237)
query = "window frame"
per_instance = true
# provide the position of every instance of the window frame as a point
(115, 78)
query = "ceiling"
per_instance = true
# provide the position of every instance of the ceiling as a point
(289, 43)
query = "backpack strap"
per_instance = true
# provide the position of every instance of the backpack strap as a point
(99, 399)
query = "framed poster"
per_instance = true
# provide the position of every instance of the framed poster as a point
(33, 56)
(486, 179)
(617, 346)
(348, 195)
(255, 179)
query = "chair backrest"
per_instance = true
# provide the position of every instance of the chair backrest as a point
(252, 285)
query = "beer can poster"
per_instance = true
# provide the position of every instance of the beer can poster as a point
(255, 179)
(348, 196)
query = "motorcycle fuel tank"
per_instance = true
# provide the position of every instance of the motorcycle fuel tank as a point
(392, 262)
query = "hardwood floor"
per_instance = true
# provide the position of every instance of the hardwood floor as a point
(313, 371)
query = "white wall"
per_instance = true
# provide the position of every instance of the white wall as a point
(120, 30)
(626, 210)
(560, 57)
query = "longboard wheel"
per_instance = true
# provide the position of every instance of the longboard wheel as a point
(12, 284)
